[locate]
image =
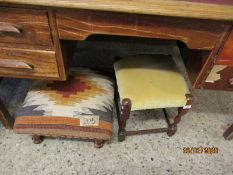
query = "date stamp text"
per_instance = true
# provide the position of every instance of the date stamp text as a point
(200, 150)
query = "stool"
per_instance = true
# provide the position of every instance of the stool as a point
(150, 82)
(81, 107)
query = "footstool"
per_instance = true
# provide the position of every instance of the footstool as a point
(81, 107)
(150, 82)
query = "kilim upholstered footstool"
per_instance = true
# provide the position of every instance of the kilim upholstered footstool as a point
(81, 107)
(150, 82)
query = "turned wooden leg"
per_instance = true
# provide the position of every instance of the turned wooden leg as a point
(228, 134)
(98, 143)
(172, 128)
(5, 117)
(123, 117)
(37, 139)
(183, 110)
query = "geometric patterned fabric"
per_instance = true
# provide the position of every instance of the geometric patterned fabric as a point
(81, 107)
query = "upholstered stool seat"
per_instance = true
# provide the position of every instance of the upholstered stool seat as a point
(149, 82)
(80, 107)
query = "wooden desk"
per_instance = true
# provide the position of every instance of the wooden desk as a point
(36, 35)
(208, 9)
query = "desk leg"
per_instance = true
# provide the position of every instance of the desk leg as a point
(5, 117)
(228, 134)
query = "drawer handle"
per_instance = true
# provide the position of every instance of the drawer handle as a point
(9, 28)
(4, 63)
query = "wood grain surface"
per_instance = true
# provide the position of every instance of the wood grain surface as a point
(42, 63)
(79, 24)
(226, 2)
(208, 10)
(24, 26)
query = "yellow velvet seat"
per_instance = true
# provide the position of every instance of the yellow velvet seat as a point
(150, 81)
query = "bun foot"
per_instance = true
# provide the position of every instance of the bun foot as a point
(121, 135)
(99, 143)
(37, 139)
(171, 130)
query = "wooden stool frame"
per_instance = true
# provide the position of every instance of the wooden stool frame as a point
(123, 113)
(98, 143)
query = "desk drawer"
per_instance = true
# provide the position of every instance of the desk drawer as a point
(28, 63)
(23, 26)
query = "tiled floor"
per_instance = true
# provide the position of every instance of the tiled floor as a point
(143, 155)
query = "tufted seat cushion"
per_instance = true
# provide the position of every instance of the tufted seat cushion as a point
(150, 81)
(80, 107)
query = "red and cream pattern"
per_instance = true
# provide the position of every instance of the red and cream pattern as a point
(82, 91)
(52, 108)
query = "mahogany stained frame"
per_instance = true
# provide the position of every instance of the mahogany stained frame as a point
(123, 114)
